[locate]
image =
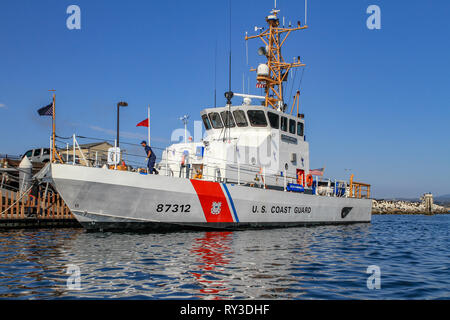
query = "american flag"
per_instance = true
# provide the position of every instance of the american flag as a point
(317, 172)
(46, 111)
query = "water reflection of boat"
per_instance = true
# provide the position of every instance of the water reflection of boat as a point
(213, 252)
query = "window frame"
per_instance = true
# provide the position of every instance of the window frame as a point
(233, 124)
(270, 122)
(285, 126)
(240, 124)
(302, 131)
(257, 125)
(210, 115)
(292, 125)
(205, 117)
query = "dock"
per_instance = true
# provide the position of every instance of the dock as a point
(23, 211)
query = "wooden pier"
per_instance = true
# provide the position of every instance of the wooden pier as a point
(23, 211)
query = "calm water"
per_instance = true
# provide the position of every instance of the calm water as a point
(328, 262)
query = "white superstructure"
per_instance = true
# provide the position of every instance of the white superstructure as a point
(244, 144)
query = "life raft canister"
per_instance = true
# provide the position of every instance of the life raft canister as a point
(300, 177)
(309, 180)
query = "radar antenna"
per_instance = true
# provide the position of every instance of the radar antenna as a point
(275, 72)
(185, 119)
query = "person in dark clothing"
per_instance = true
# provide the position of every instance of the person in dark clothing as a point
(151, 158)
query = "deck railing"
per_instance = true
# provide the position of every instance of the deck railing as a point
(358, 189)
(352, 189)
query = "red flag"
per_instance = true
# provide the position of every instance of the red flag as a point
(144, 123)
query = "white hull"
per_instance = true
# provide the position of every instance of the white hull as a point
(113, 200)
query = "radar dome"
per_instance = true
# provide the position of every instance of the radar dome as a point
(263, 70)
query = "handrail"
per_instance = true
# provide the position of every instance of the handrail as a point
(262, 176)
(358, 189)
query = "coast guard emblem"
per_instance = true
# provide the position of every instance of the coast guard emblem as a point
(216, 207)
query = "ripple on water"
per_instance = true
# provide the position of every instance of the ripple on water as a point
(326, 262)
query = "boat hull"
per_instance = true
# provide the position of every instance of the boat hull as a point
(102, 199)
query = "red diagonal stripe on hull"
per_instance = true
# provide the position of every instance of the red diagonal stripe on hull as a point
(209, 192)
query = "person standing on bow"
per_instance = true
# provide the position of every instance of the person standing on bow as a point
(150, 156)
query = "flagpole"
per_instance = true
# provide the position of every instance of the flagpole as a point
(53, 128)
(148, 116)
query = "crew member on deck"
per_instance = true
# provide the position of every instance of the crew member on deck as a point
(151, 158)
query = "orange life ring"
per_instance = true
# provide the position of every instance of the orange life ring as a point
(309, 180)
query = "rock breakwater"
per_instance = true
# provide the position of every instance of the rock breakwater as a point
(404, 207)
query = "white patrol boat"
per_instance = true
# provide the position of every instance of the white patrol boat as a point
(251, 170)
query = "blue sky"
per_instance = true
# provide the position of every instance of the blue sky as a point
(376, 101)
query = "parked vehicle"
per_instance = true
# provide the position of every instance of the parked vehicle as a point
(38, 155)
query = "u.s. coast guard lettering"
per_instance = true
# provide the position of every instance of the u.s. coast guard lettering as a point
(280, 209)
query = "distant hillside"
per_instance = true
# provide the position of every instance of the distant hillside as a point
(443, 199)
(402, 199)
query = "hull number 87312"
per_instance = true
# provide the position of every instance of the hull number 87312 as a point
(173, 207)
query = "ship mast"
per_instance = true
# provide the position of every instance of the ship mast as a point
(272, 74)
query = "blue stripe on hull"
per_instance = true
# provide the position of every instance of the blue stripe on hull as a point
(231, 202)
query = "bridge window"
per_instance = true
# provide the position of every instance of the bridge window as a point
(215, 120)
(206, 122)
(227, 119)
(284, 123)
(300, 128)
(241, 120)
(274, 120)
(291, 126)
(257, 118)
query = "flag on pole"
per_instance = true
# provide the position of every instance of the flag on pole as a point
(46, 111)
(317, 172)
(143, 123)
(146, 123)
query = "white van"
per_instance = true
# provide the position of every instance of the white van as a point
(38, 155)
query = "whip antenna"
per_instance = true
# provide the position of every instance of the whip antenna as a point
(215, 76)
(229, 93)
(306, 12)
